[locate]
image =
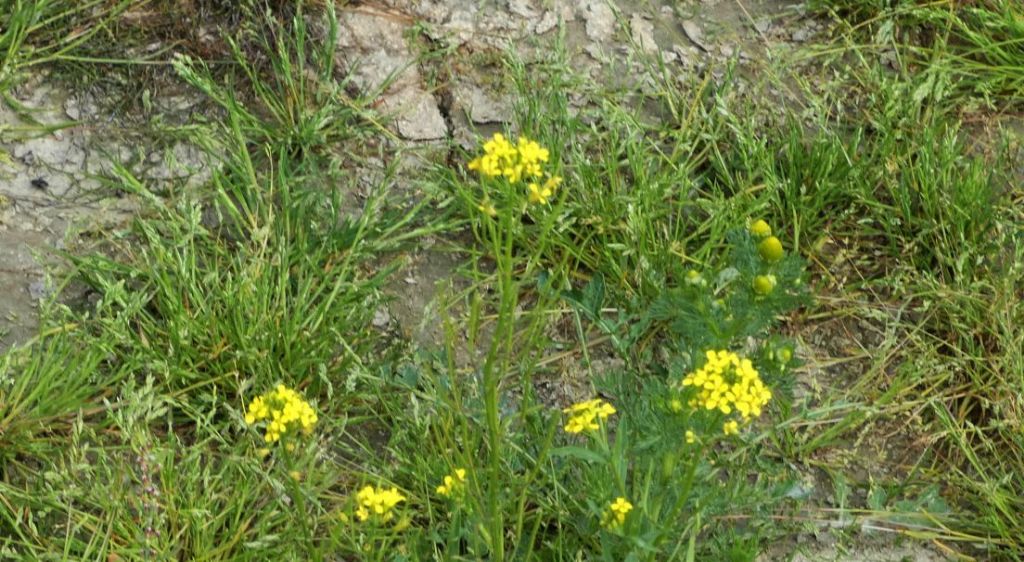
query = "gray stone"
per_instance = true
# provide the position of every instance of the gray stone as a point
(642, 32)
(686, 55)
(482, 106)
(381, 318)
(802, 34)
(461, 26)
(417, 116)
(599, 18)
(523, 9)
(548, 22)
(72, 109)
(373, 48)
(39, 289)
(695, 34)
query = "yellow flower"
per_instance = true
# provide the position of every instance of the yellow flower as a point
(531, 155)
(691, 437)
(770, 249)
(541, 194)
(453, 483)
(377, 504)
(285, 411)
(616, 513)
(731, 427)
(538, 195)
(728, 383)
(760, 229)
(487, 208)
(499, 155)
(584, 416)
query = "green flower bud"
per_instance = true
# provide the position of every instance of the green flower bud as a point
(764, 285)
(785, 354)
(760, 228)
(770, 249)
(668, 465)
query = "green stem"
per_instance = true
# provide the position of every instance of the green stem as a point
(299, 498)
(501, 240)
(684, 492)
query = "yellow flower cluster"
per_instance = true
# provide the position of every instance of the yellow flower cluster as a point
(540, 194)
(728, 383)
(616, 514)
(522, 161)
(285, 409)
(453, 483)
(584, 416)
(513, 161)
(377, 503)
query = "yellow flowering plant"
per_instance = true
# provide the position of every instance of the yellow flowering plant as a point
(377, 505)
(728, 384)
(514, 177)
(286, 416)
(452, 485)
(509, 192)
(616, 513)
(516, 163)
(285, 412)
(665, 457)
(585, 416)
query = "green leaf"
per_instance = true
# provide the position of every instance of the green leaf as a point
(578, 453)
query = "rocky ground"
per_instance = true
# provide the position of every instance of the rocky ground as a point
(59, 145)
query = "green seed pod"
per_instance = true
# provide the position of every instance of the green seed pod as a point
(760, 228)
(764, 285)
(770, 249)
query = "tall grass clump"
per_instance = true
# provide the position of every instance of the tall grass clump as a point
(979, 45)
(35, 33)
